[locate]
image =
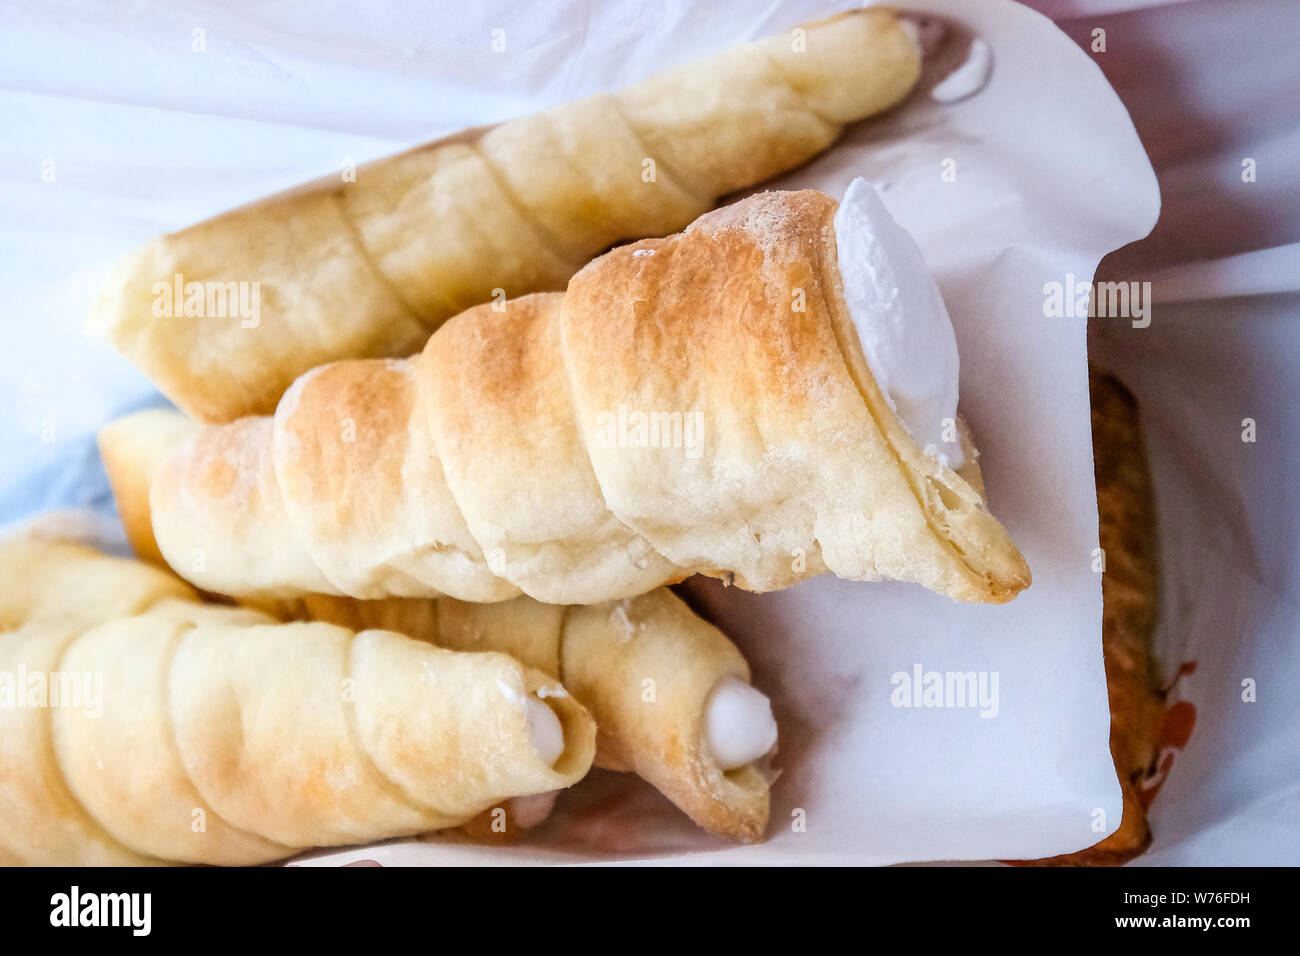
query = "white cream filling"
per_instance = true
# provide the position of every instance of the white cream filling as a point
(902, 323)
(969, 78)
(738, 723)
(545, 732)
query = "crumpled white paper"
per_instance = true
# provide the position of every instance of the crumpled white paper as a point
(1203, 80)
(1030, 181)
(1228, 533)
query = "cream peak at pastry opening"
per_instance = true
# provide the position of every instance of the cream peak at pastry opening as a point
(545, 732)
(902, 323)
(738, 723)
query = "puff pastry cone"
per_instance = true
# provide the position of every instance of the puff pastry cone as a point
(370, 267)
(1127, 524)
(490, 464)
(149, 727)
(669, 692)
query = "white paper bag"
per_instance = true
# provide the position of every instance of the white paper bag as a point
(1029, 181)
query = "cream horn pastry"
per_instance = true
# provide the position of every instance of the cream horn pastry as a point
(151, 727)
(670, 694)
(801, 347)
(224, 315)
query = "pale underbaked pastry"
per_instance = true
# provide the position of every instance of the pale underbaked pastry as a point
(149, 727)
(652, 674)
(371, 267)
(1128, 586)
(490, 464)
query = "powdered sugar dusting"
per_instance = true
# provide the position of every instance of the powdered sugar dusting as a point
(773, 221)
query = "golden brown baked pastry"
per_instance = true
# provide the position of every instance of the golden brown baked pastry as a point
(150, 727)
(1128, 588)
(645, 668)
(490, 464)
(371, 267)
